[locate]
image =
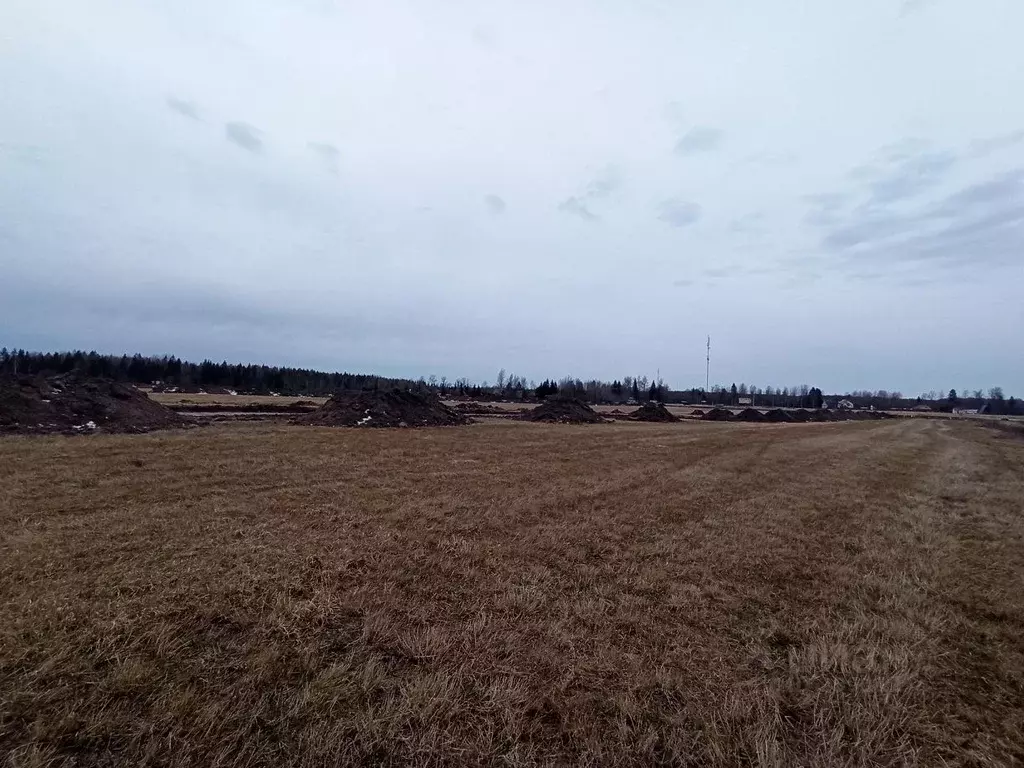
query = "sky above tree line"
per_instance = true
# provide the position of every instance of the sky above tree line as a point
(833, 191)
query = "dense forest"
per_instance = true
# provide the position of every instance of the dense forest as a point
(169, 372)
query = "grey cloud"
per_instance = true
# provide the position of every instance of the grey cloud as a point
(605, 183)
(827, 200)
(825, 208)
(576, 207)
(328, 154)
(673, 113)
(903, 149)
(749, 223)
(1001, 188)
(679, 213)
(244, 135)
(772, 159)
(700, 139)
(918, 282)
(485, 36)
(985, 147)
(214, 314)
(913, 6)
(911, 176)
(683, 283)
(864, 229)
(495, 205)
(158, 181)
(182, 107)
(980, 226)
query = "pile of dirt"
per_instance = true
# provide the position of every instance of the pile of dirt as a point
(696, 412)
(717, 414)
(820, 415)
(801, 415)
(652, 411)
(564, 411)
(393, 408)
(750, 414)
(779, 416)
(73, 403)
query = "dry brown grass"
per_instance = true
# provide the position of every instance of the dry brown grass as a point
(515, 594)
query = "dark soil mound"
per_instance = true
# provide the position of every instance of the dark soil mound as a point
(696, 412)
(394, 408)
(820, 415)
(750, 414)
(73, 403)
(778, 416)
(564, 411)
(651, 411)
(717, 414)
(800, 415)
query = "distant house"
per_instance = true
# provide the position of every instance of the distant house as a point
(922, 407)
(966, 411)
(845, 405)
(745, 401)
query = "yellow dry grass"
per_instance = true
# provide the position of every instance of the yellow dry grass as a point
(515, 594)
(192, 398)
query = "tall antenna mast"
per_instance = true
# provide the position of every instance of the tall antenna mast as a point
(707, 369)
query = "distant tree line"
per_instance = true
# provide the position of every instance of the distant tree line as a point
(172, 372)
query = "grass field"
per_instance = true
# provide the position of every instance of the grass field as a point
(191, 398)
(515, 594)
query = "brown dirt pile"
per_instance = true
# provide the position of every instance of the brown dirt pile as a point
(779, 416)
(394, 408)
(72, 403)
(651, 411)
(750, 414)
(717, 414)
(564, 411)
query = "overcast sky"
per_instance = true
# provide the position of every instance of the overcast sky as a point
(834, 191)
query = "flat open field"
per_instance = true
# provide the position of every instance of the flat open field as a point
(515, 594)
(192, 398)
